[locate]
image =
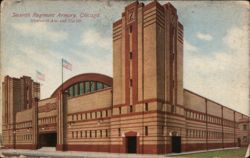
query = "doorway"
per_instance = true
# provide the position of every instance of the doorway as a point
(131, 144)
(176, 144)
(47, 140)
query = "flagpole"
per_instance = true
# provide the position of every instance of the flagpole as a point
(62, 75)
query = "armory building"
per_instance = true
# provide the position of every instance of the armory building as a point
(142, 109)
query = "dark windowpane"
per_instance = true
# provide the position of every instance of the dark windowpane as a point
(92, 84)
(71, 91)
(76, 89)
(81, 88)
(87, 87)
(99, 85)
(130, 55)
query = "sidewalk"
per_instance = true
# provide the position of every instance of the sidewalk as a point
(49, 153)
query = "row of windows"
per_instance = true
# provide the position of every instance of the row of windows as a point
(210, 119)
(90, 134)
(47, 120)
(85, 87)
(132, 109)
(24, 137)
(90, 115)
(24, 125)
(193, 133)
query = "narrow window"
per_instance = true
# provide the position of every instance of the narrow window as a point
(81, 134)
(146, 106)
(119, 132)
(86, 87)
(146, 130)
(90, 134)
(120, 110)
(100, 133)
(130, 55)
(93, 86)
(81, 88)
(95, 133)
(106, 131)
(130, 108)
(106, 113)
(76, 89)
(130, 29)
(86, 134)
(131, 82)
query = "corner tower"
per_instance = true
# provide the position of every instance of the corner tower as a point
(148, 76)
(148, 55)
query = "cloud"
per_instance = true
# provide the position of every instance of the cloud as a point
(94, 39)
(40, 31)
(221, 75)
(204, 37)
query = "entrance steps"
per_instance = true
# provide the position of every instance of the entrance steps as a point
(47, 149)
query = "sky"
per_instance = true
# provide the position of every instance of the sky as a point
(216, 43)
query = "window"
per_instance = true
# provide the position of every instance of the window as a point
(106, 113)
(244, 127)
(76, 89)
(146, 106)
(90, 134)
(81, 88)
(106, 131)
(130, 55)
(130, 108)
(71, 91)
(130, 29)
(81, 134)
(146, 130)
(100, 133)
(120, 110)
(119, 132)
(95, 133)
(92, 86)
(99, 85)
(86, 134)
(86, 87)
(131, 82)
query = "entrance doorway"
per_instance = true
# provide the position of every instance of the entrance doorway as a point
(47, 140)
(131, 144)
(176, 144)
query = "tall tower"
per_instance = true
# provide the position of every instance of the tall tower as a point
(148, 55)
(17, 95)
(147, 69)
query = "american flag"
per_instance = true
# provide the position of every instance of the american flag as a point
(66, 64)
(40, 76)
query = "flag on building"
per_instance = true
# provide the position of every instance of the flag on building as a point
(40, 76)
(66, 64)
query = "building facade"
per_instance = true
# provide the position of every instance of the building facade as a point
(142, 109)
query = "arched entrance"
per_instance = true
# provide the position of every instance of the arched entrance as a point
(176, 142)
(131, 142)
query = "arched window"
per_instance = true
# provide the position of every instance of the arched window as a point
(84, 87)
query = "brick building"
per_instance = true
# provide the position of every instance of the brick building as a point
(142, 109)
